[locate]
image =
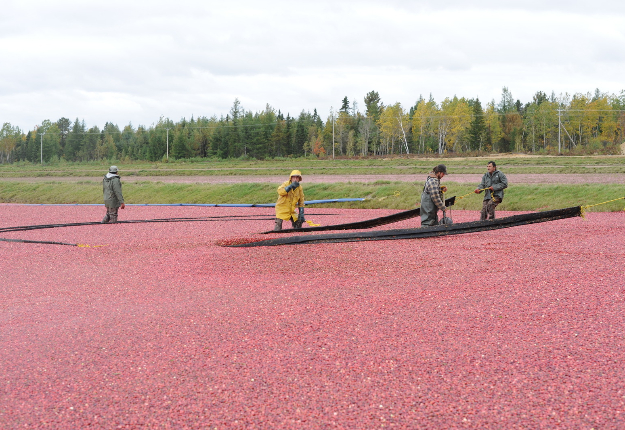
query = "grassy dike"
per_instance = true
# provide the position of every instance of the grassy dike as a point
(381, 194)
(311, 166)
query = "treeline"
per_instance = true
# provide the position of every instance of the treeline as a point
(578, 124)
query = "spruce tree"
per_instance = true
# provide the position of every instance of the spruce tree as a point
(345, 105)
(477, 127)
(374, 107)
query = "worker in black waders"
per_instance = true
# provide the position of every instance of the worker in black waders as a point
(290, 196)
(113, 198)
(432, 198)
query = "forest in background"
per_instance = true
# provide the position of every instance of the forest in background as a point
(592, 123)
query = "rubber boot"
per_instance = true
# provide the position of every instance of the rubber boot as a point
(483, 215)
(278, 225)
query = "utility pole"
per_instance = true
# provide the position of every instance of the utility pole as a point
(167, 144)
(559, 127)
(332, 109)
(42, 147)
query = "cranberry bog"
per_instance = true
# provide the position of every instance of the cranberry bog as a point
(160, 325)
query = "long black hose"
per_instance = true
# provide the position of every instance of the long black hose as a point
(46, 242)
(76, 224)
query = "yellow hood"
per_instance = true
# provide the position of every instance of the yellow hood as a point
(295, 173)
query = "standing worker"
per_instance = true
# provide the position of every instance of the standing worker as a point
(113, 198)
(494, 182)
(290, 195)
(432, 197)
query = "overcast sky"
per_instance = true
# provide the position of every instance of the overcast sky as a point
(133, 62)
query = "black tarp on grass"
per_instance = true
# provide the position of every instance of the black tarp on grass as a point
(416, 233)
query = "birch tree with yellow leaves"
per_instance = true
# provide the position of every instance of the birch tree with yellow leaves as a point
(393, 124)
(606, 128)
(9, 137)
(460, 122)
(493, 127)
(443, 121)
(423, 121)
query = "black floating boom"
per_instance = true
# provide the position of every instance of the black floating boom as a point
(416, 233)
(360, 225)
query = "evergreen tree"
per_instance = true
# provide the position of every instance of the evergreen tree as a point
(477, 128)
(316, 119)
(157, 142)
(301, 135)
(278, 140)
(64, 125)
(289, 134)
(91, 143)
(51, 138)
(539, 98)
(218, 139)
(235, 134)
(180, 146)
(507, 102)
(374, 107)
(414, 108)
(32, 153)
(22, 154)
(345, 105)
(127, 141)
(75, 141)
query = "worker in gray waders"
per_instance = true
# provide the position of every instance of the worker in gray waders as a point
(113, 198)
(494, 182)
(432, 198)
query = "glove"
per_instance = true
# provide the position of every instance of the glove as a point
(478, 191)
(292, 186)
(301, 215)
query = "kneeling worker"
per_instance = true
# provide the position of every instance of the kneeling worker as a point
(290, 195)
(432, 197)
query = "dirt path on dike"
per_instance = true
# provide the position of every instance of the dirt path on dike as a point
(513, 178)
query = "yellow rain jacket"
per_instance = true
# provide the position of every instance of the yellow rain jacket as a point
(287, 202)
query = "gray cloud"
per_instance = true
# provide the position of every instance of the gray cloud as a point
(125, 62)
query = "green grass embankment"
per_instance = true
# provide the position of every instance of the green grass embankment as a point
(381, 194)
(311, 166)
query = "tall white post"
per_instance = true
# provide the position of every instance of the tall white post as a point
(332, 131)
(559, 128)
(167, 144)
(42, 148)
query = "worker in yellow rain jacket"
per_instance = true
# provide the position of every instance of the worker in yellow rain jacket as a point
(290, 195)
